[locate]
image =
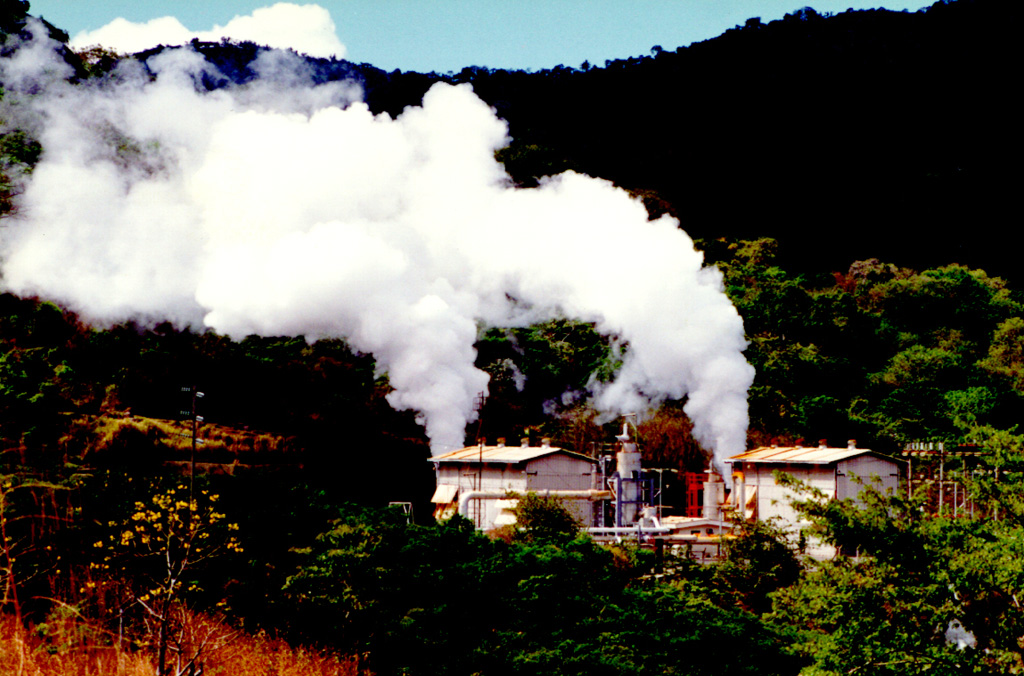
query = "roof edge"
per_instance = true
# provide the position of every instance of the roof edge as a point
(466, 454)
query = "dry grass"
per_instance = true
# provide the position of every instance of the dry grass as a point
(218, 444)
(176, 434)
(252, 655)
(24, 653)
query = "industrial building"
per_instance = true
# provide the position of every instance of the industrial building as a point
(477, 481)
(838, 473)
(621, 501)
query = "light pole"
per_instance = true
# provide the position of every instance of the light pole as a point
(196, 419)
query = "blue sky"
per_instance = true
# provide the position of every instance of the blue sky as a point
(443, 35)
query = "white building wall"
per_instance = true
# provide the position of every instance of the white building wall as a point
(555, 472)
(489, 477)
(559, 473)
(564, 473)
(856, 473)
(773, 500)
(834, 481)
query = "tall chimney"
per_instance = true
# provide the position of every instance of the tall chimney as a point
(628, 486)
(714, 495)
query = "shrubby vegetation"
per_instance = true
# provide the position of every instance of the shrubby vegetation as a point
(885, 354)
(888, 354)
(444, 599)
(912, 592)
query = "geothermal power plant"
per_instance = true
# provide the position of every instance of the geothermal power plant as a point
(615, 498)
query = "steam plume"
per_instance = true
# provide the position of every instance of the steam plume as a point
(282, 208)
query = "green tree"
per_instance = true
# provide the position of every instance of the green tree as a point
(543, 519)
(1005, 358)
(19, 153)
(758, 561)
(907, 593)
(666, 440)
(444, 599)
(12, 14)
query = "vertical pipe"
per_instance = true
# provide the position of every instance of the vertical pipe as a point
(972, 501)
(480, 482)
(997, 502)
(661, 492)
(618, 500)
(956, 499)
(942, 480)
(192, 457)
(910, 479)
(739, 488)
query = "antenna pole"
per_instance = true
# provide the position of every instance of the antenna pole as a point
(480, 398)
(192, 456)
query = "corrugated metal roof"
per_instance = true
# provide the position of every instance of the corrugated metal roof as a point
(503, 454)
(799, 455)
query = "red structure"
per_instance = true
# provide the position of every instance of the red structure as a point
(694, 482)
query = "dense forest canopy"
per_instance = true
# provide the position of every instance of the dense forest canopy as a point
(865, 134)
(847, 175)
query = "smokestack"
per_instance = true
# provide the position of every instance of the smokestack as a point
(501, 442)
(822, 443)
(545, 442)
(525, 442)
(628, 484)
(851, 444)
(714, 495)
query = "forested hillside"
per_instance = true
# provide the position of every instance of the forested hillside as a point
(865, 134)
(849, 176)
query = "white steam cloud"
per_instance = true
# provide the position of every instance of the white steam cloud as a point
(282, 208)
(305, 28)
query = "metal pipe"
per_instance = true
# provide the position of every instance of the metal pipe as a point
(590, 494)
(942, 481)
(636, 529)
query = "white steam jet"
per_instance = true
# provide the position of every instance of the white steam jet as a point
(283, 208)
